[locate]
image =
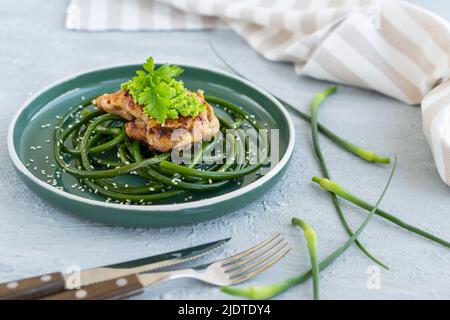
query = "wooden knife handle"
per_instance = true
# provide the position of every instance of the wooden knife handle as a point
(114, 289)
(32, 288)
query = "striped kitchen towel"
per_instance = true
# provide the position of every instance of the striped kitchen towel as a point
(389, 46)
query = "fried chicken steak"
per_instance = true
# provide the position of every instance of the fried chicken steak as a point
(174, 133)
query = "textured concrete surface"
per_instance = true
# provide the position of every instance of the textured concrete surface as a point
(36, 237)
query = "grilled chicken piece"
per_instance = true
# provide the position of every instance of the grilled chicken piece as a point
(174, 133)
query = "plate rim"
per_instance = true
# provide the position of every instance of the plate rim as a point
(19, 165)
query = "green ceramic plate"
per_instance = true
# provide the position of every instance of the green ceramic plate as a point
(30, 143)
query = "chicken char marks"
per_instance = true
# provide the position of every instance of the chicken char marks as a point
(174, 133)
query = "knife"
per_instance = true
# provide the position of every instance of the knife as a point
(48, 284)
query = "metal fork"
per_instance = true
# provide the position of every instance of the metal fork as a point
(229, 271)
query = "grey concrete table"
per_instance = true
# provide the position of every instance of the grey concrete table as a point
(36, 237)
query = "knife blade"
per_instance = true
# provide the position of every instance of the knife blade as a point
(100, 274)
(48, 284)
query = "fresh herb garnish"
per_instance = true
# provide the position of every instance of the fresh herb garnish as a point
(160, 94)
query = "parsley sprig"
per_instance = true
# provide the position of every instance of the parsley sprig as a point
(160, 94)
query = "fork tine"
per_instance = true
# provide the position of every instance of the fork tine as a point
(261, 269)
(249, 251)
(250, 257)
(256, 262)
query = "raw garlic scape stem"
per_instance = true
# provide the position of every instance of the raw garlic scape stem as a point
(315, 105)
(338, 190)
(350, 147)
(311, 242)
(270, 291)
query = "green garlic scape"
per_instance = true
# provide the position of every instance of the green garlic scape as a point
(311, 243)
(315, 105)
(346, 145)
(338, 190)
(270, 291)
